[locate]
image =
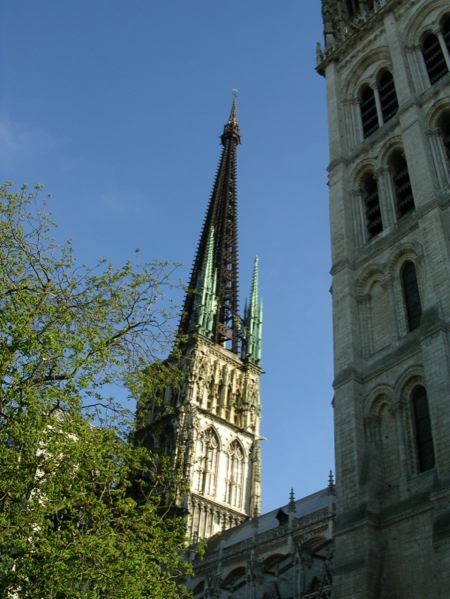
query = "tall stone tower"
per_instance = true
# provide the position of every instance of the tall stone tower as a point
(211, 425)
(387, 64)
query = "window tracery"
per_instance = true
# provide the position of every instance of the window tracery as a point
(235, 475)
(209, 458)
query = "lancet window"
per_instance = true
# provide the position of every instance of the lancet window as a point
(411, 296)
(209, 458)
(404, 198)
(374, 224)
(235, 475)
(422, 429)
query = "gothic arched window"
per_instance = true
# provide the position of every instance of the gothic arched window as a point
(411, 295)
(388, 96)
(422, 429)
(374, 223)
(404, 199)
(369, 116)
(235, 475)
(434, 57)
(209, 448)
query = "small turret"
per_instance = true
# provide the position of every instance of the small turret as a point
(331, 488)
(252, 323)
(291, 505)
(205, 302)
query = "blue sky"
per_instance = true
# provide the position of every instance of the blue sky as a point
(117, 107)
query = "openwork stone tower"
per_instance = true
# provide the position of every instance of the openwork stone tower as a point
(211, 426)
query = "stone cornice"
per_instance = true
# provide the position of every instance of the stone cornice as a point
(392, 237)
(408, 348)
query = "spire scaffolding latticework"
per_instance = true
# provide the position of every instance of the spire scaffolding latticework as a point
(221, 217)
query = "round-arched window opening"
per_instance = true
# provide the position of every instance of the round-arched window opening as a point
(369, 115)
(434, 58)
(388, 95)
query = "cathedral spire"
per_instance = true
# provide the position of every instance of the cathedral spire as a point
(221, 217)
(211, 427)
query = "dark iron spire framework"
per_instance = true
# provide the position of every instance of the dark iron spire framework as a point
(221, 226)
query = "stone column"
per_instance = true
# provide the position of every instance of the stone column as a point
(359, 219)
(439, 156)
(444, 48)
(367, 325)
(357, 123)
(386, 195)
(376, 93)
(417, 67)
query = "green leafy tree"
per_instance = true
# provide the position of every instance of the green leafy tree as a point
(83, 513)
